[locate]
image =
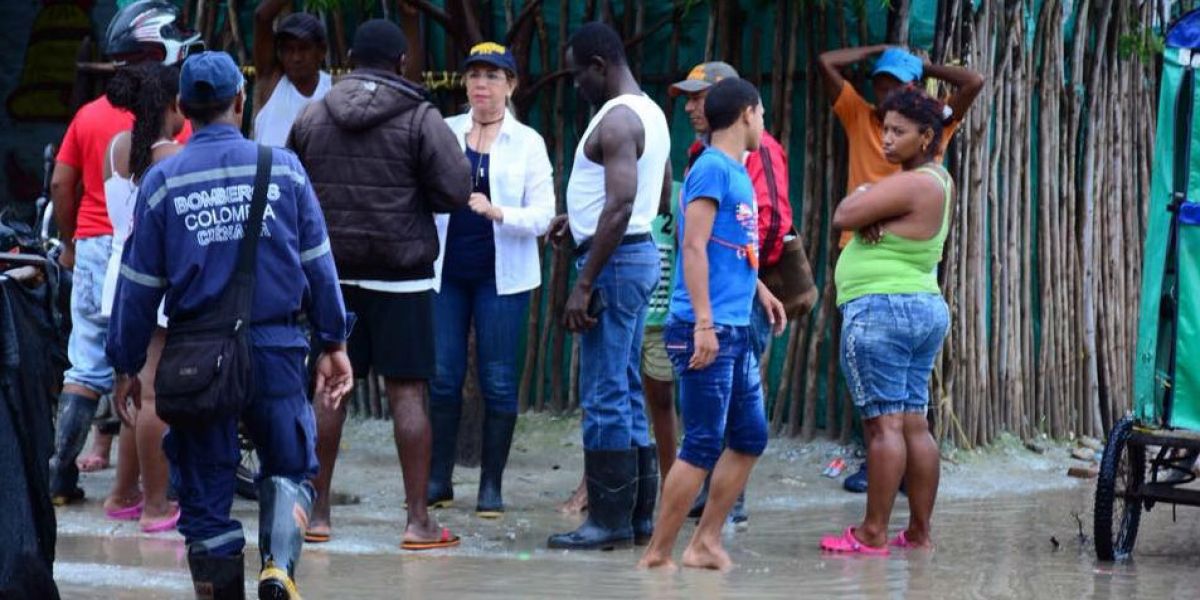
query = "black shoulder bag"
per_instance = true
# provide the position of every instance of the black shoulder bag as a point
(205, 372)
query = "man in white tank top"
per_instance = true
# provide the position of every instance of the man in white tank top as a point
(287, 66)
(620, 175)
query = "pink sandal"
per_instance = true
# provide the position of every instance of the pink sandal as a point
(901, 541)
(849, 544)
(129, 513)
(166, 524)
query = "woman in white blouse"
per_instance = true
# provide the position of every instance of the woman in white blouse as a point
(488, 265)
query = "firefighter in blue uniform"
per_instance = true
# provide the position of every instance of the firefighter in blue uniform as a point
(185, 245)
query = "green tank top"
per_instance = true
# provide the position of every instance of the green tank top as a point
(895, 265)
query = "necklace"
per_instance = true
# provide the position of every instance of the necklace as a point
(479, 126)
(478, 171)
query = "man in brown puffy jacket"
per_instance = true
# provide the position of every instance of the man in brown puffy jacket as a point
(382, 162)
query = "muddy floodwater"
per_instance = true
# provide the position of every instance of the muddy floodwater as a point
(1007, 526)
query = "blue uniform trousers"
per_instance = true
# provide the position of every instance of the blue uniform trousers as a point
(204, 459)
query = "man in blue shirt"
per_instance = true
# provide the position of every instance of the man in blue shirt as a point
(188, 229)
(708, 335)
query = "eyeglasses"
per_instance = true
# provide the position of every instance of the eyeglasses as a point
(488, 76)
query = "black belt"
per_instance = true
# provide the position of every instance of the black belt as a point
(634, 238)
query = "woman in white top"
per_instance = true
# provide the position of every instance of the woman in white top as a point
(148, 91)
(488, 265)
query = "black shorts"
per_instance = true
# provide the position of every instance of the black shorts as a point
(393, 334)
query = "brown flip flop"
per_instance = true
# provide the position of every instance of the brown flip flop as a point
(317, 537)
(448, 540)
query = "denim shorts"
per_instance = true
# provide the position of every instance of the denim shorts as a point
(889, 343)
(89, 327)
(721, 404)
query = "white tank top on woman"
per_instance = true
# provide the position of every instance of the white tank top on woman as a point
(120, 194)
(585, 189)
(274, 120)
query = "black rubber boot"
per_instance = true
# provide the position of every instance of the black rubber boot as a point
(497, 440)
(857, 483)
(280, 538)
(218, 577)
(75, 413)
(443, 420)
(612, 492)
(647, 495)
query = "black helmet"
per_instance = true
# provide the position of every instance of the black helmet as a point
(149, 30)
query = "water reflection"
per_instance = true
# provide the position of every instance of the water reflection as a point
(989, 548)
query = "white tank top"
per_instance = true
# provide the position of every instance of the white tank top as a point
(274, 120)
(585, 189)
(120, 196)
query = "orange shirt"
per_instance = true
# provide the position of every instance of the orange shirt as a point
(864, 131)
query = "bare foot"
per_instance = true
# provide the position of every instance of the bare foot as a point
(420, 532)
(96, 458)
(578, 502)
(917, 540)
(158, 511)
(655, 560)
(318, 532)
(115, 502)
(701, 555)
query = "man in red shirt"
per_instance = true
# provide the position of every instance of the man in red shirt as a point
(767, 167)
(80, 210)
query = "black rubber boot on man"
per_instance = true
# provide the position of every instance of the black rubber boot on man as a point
(443, 420)
(284, 509)
(647, 495)
(218, 577)
(75, 414)
(497, 440)
(612, 492)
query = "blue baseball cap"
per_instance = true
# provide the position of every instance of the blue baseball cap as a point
(899, 64)
(209, 77)
(491, 53)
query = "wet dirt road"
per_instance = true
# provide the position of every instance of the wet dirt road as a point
(994, 527)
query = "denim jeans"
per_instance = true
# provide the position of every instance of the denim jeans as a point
(721, 404)
(89, 329)
(760, 329)
(499, 324)
(610, 383)
(889, 343)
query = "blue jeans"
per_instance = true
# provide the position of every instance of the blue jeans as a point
(610, 382)
(204, 458)
(721, 404)
(499, 324)
(760, 329)
(889, 343)
(89, 330)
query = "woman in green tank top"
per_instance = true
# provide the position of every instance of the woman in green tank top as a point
(894, 319)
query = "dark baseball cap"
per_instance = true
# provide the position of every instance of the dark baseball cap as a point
(209, 77)
(303, 26)
(702, 77)
(378, 41)
(491, 53)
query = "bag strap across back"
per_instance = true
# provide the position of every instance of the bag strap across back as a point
(244, 273)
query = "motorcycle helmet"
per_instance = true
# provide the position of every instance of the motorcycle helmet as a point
(149, 30)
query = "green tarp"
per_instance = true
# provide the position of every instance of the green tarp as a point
(1152, 365)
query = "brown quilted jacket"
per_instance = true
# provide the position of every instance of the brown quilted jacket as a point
(382, 162)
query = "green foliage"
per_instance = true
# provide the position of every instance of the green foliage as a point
(1145, 43)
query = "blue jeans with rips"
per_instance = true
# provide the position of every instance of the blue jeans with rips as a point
(721, 404)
